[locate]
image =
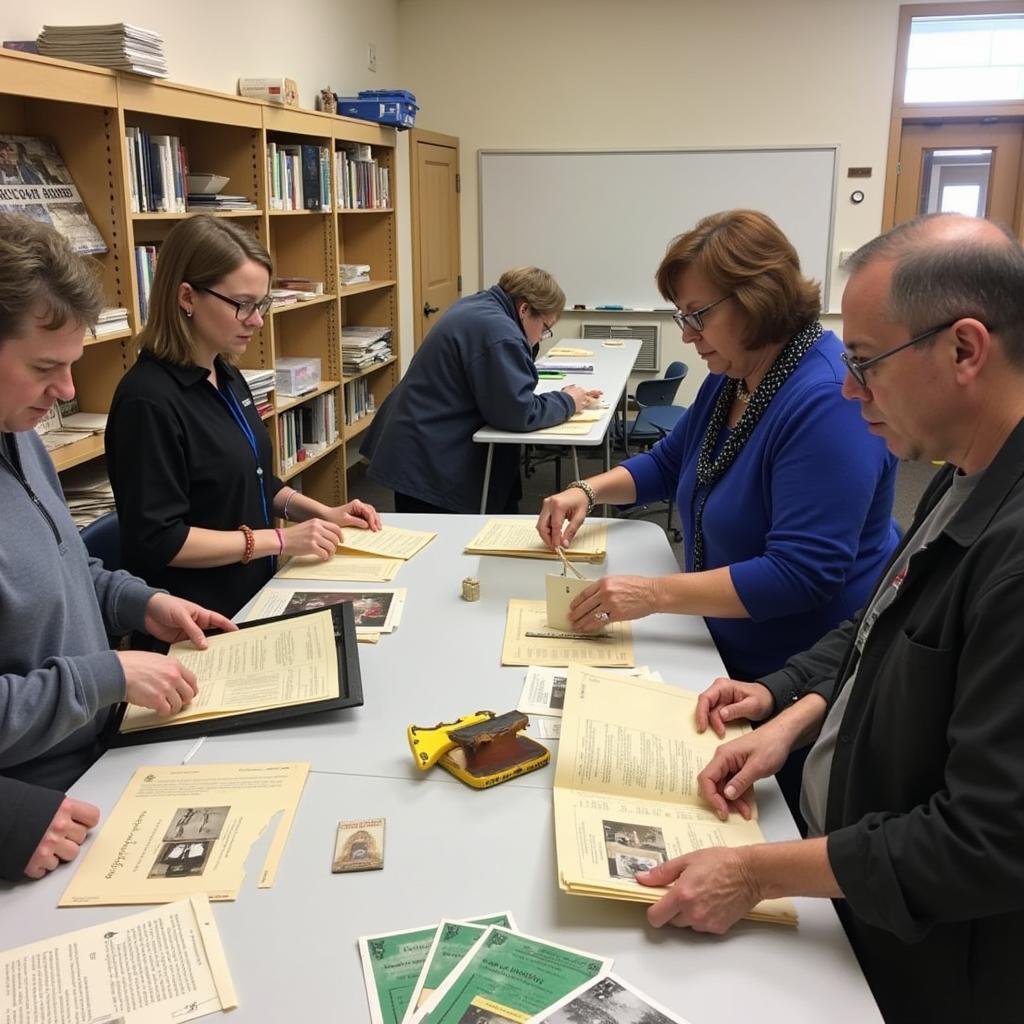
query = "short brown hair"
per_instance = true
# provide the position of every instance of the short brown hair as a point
(201, 250)
(745, 254)
(536, 287)
(38, 267)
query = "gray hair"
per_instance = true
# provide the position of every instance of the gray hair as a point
(973, 273)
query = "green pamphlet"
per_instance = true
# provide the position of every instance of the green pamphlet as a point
(391, 966)
(515, 972)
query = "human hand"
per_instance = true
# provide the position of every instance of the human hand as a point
(727, 778)
(561, 516)
(157, 681)
(313, 537)
(710, 890)
(172, 619)
(727, 700)
(581, 398)
(613, 599)
(63, 836)
(356, 513)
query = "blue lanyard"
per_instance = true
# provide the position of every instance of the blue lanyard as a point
(227, 396)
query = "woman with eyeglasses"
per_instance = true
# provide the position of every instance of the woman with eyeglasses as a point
(188, 454)
(475, 368)
(784, 497)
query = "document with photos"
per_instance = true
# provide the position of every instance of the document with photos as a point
(452, 941)
(610, 1000)
(347, 568)
(518, 538)
(392, 962)
(162, 966)
(517, 973)
(530, 641)
(625, 791)
(278, 664)
(374, 611)
(544, 688)
(180, 830)
(387, 542)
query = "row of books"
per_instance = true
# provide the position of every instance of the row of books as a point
(305, 431)
(158, 179)
(145, 268)
(363, 347)
(299, 176)
(362, 183)
(359, 401)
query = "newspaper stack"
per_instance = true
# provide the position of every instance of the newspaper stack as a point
(353, 273)
(87, 492)
(120, 46)
(362, 347)
(261, 384)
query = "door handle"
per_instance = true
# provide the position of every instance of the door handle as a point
(428, 309)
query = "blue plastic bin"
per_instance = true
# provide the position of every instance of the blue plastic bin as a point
(386, 106)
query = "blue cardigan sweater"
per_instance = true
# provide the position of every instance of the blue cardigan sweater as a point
(802, 517)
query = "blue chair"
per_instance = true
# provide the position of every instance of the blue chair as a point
(102, 539)
(658, 394)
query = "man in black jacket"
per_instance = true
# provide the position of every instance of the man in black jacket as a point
(914, 788)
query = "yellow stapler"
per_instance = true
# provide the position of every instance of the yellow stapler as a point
(481, 750)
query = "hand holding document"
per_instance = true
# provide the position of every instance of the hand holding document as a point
(387, 542)
(180, 830)
(530, 641)
(518, 538)
(163, 966)
(625, 793)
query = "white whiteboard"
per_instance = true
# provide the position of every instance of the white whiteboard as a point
(600, 221)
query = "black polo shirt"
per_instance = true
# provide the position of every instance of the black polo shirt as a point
(178, 458)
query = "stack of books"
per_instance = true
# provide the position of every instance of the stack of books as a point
(353, 273)
(64, 426)
(111, 321)
(261, 384)
(120, 46)
(363, 347)
(87, 492)
(205, 201)
(305, 288)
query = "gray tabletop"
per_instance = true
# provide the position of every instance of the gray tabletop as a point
(457, 852)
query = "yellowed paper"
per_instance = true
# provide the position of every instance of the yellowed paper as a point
(278, 664)
(568, 350)
(374, 611)
(180, 830)
(162, 966)
(388, 542)
(569, 428)
(612, 649)
(367, 637)
(518, 538)
(560, 592)
(544, 688)
(348, 568)
(625, 791)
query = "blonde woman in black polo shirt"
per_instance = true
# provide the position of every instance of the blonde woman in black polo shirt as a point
(188, 455)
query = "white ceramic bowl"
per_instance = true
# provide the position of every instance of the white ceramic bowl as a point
(206, 184)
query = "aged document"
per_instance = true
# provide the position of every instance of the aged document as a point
(544, 688)
(612, 648)
(517, 538)
(349, 568)
(374, 611)
(387, 542)
(294, 661)
(162, 966)
(625, 790)
(180, 830)
(560, 592)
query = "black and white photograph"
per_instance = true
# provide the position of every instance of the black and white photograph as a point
(195, 824)
(370, 608)
(181, 860)
(632, 848)
(609, 1000)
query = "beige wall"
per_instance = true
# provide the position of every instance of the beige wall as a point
(616, 74)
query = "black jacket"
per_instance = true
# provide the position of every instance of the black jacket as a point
(925, 815)
(178, 459)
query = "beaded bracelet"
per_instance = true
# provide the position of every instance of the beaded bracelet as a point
(250, 544)
(588, 491)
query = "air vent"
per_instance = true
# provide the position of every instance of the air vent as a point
(647, 334)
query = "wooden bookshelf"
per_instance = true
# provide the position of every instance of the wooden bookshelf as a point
(86, 110)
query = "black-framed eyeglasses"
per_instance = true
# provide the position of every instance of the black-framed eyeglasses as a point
(243, 310)
(858, 366)
(695, 320)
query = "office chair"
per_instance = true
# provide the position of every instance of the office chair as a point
(658, 393)
(102, 539)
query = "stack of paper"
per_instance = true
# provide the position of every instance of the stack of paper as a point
(120, 46)
(518, 538)
(353, 273)
(362, 347)
(111, 321)
(206, 201)
(375, 611)
(363, 556)
(87, 491)
(261, 384)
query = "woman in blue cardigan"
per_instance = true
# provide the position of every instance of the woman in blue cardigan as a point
(784, 496)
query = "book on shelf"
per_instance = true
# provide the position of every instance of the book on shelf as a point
(111, 321)
(261, 384)
(35, 181)
(353, 273)
(304, 286)
(158, 172)
(204, 201)
(359, 401)
(306, 430)
(145, 268)
(120, 46)
(299, 176)
(362, 183)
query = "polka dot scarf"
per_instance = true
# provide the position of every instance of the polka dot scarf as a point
(710, 471)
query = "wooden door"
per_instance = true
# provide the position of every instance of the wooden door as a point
(967, 167)
(436, 262)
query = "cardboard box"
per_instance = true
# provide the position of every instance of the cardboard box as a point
(273, 90)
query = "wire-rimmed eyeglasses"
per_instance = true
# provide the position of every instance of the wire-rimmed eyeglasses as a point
(858, 366)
